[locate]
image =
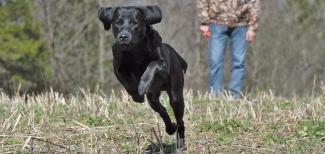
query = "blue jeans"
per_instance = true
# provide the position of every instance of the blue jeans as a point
(217, 44)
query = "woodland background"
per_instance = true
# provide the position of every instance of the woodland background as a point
(62, 45)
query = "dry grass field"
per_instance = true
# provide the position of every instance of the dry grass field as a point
(99, 123)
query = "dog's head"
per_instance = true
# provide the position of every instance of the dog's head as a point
(129, 23)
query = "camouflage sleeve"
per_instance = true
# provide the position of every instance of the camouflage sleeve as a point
(255, 11)
(203, 7)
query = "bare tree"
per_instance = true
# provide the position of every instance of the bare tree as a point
(288, 55)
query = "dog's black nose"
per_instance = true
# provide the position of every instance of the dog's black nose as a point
(123, 37)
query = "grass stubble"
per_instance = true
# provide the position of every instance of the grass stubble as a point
(98, 123)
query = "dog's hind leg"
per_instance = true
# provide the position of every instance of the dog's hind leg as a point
(153, 99)
(177, 103)
(176, 100)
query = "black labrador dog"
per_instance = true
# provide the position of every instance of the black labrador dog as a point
(143, 64)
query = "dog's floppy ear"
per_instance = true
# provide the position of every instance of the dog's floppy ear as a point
(153, 14)
(106, 15)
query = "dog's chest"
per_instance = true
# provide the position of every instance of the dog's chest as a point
(135, 63)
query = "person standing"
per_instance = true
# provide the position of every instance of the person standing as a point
(228, 20)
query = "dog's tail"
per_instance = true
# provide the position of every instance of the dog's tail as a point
(183, 62)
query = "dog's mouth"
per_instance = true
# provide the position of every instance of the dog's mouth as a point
(125, 43)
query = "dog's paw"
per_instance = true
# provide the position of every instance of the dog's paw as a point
(143, 87)
(138, 98)
(181, 144)
(171, 129)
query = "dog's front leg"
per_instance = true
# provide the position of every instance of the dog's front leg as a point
(157, 71)
(130, 84)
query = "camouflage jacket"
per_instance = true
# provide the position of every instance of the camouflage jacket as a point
(230, 12)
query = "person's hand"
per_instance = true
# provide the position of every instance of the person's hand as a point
(250, 36)
(205, 30)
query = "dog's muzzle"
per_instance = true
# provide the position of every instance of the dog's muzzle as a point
(124, 37)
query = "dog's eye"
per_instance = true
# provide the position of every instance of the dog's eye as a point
(119, 22)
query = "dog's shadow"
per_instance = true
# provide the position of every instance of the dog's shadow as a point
(166, 148)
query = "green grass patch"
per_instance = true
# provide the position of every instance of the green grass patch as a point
(281, 125)
(225, 131)
(312, 129)
(286, 105)
(276, 138)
